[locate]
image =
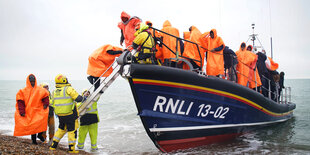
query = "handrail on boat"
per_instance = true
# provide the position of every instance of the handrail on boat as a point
(178, 39)
(274, 95)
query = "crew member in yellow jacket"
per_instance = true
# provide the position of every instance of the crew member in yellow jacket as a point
(64, 99)
(144, 44)
(89, 124)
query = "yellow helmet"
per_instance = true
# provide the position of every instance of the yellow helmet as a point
(61, 79)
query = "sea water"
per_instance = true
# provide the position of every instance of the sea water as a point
(121, 130)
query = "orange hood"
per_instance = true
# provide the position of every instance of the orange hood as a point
(240, 49)
(194, 28)
(28, 84)
(250, 46)
(166, 23)
(214, 32)
(124, 14)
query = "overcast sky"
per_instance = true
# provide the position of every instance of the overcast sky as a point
(48, 37)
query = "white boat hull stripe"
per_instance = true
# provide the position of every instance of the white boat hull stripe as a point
(212, 126)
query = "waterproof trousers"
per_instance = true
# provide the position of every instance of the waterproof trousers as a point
(92, 129)
(64, 127)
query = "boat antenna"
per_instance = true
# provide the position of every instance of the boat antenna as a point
(271, 50)
(253, 35)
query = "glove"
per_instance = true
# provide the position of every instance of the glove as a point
(114, 52)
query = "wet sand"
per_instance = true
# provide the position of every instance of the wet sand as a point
(16, 145)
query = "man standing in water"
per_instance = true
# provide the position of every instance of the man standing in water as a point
(31, 110)
(89, 124)
(64, 99)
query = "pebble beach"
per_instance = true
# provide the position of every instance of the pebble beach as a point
(21, 146)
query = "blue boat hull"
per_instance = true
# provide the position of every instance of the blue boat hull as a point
(181, 109)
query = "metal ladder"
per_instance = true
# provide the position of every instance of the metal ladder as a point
(104, 84)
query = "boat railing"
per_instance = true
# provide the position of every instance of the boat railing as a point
(177, 51)
(283, 97)
(272, 91)
(286, 95)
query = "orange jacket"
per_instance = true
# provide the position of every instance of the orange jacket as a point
(245, 73)
(35, 119)
(128, 27)
(215, 60)
(169, 41)
(191, 50)
(99, 61)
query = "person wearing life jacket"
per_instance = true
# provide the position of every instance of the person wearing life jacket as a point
(144, 44)
(157, 39)
(99, 61)
(50, 120)
(127, 26)
(193, 51)
(170, 42)
(246, 65)
(254, 78)
(64, 99)
(31, 110)
(89, 124)
(215, 58)
(246, 61)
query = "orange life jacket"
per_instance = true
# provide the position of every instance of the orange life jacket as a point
(35, 119)
(99, 61)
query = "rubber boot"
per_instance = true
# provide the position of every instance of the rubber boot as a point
(34, 139)
(72, 148)
(54, 145)
(40, 136)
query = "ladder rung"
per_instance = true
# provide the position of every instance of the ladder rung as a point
(96, 94)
